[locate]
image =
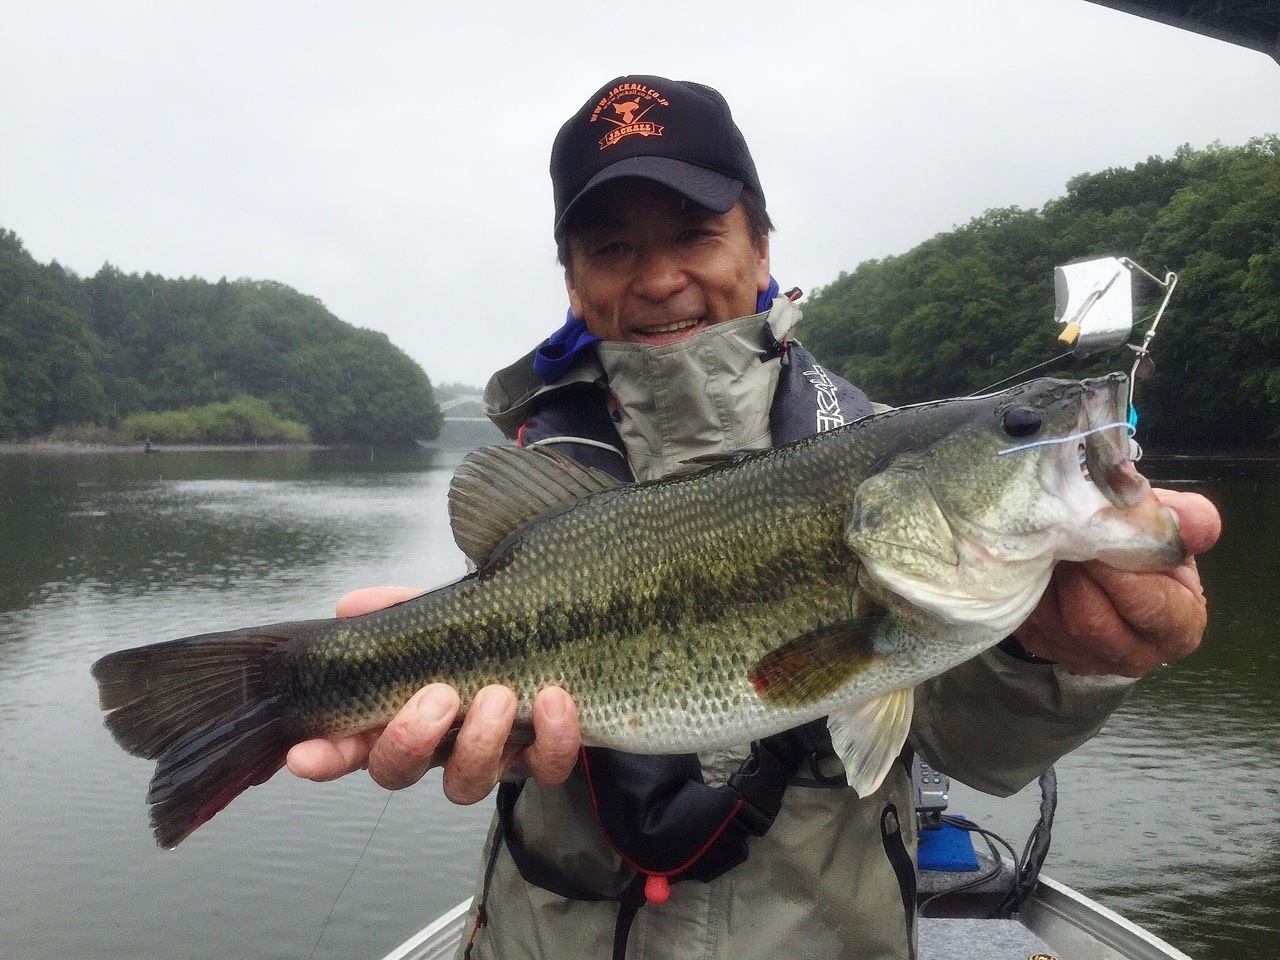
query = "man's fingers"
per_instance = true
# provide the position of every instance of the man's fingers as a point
(1096, 619)
(1166, 613)
(322, 760)
(404, 751)
(472, 771)
(1198, 519)
(554, 752)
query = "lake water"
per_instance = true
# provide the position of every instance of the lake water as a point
(1170, 815)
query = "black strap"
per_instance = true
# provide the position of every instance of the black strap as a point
(542, 873)
(904, 867)
(663, 820)
(630, 904)
(773, 763)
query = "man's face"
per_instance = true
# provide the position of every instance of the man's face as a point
(648, 266)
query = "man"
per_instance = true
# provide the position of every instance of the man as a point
(678, 346)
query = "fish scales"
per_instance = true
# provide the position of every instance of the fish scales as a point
(543, 610)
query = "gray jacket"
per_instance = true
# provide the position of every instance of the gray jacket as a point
(834, 875)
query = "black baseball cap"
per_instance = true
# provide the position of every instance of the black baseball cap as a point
(674, 132)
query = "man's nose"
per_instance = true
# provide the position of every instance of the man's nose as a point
(659, 273)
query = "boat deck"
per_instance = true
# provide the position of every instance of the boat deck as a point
(969, 939)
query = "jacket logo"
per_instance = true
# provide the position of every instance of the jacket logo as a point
(626, 106)
(829, 412)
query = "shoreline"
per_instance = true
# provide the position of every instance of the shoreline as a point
(92, 447)
(19, 447)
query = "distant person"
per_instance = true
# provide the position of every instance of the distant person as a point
(679, 345)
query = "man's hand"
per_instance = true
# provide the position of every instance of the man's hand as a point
(399, 754)
(1094, 619)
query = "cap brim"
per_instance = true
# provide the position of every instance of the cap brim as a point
(712, 190)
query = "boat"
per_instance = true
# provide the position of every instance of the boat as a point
(1055, 922)
(969, 905)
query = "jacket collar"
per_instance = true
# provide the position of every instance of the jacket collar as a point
(698, 382)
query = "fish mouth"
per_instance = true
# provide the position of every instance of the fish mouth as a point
(1136, 532)
(1104, 449)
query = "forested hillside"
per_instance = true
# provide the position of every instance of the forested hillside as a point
(960, 312)
(76, 352)
(973, 306)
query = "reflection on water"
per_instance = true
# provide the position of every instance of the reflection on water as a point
(1203, 741)
(135, 523)
(109, 551)
(1172, 814)
(1168, 816)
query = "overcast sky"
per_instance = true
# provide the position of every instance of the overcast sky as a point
(390, 159)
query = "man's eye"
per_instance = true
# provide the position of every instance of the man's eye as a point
(614, 248)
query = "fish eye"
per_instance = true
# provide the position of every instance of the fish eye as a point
(1021, 422)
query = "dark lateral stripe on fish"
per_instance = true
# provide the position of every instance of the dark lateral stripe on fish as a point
(704, 597)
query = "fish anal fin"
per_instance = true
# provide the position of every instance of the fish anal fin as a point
(815, 664)
(497, 490)
(868, 737)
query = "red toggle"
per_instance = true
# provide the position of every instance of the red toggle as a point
(656, 889)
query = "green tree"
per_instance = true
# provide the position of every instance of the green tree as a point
(969, 308)
(48, 355)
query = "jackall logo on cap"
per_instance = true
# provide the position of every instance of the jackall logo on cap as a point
(627, 106)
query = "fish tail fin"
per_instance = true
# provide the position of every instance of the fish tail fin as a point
(211, 710)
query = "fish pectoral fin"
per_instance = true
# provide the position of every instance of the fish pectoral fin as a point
(497, 490)
(869, 737)
(815, 664)
(897, 522)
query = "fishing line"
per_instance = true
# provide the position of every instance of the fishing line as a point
(1123, 424)
(365, 849)
(1022, 373)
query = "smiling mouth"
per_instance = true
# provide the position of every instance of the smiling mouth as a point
(667, 331)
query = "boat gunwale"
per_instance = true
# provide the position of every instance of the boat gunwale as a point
(1054, 904)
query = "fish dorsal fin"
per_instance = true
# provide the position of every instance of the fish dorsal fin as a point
(868, 737)
(815, 664)
(497, 490)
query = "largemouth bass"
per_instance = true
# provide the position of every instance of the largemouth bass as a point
(827, 577)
